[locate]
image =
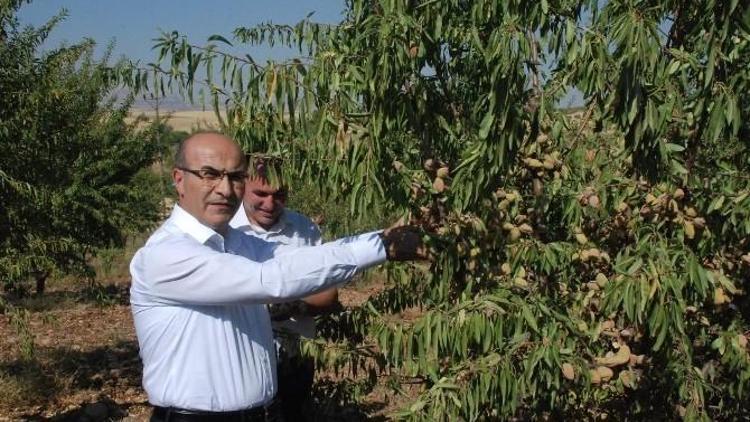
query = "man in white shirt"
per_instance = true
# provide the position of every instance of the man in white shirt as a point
(199, 290)
(265, 216)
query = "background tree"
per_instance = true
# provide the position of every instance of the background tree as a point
(73, 174)
(585, 264)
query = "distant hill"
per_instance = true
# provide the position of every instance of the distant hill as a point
(180, 120)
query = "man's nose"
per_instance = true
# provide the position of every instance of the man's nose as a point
(269, 203)
(224, 186)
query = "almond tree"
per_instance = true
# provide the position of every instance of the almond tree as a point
(585, 264)
(73, 175)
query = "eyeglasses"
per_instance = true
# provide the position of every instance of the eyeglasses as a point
(212, 176)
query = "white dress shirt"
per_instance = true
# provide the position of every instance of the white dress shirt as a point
(291, 231)
(198, 302)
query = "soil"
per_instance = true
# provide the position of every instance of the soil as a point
(85, 364)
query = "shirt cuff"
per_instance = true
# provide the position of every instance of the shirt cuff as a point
(367, 248)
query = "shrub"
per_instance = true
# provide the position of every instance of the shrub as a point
(73, 175)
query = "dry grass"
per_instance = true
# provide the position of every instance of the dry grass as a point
(84, 352)
(182, 120)
(23, 388)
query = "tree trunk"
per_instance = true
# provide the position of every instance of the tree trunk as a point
(41, 279)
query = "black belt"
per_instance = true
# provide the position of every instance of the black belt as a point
(171, 414)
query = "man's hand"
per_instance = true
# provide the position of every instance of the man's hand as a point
(403, 243)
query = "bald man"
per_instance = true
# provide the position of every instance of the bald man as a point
(199, 289)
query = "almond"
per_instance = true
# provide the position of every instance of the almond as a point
(568, 371)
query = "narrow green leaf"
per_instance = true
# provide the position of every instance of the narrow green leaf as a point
(220, 38)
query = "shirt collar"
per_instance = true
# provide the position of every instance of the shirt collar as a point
(240, 221)
(190, 225)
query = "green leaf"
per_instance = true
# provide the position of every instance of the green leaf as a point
(710, 65)
(220, 38)
(677, 167)
(718, 345)
(716, 204)
(674, 147)
(529, 317)
(674, 66)
(486, 124)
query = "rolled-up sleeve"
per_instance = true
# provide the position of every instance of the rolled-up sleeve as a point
(181, 270)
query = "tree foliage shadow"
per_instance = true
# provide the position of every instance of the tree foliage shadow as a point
(340, 400)
(61, 371)
(93, 293)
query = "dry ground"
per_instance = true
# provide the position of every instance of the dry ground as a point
(182, 120)
(86, 365)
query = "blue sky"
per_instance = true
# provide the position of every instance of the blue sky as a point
(134, 23)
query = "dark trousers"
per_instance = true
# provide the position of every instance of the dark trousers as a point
(197, 417)
(295, 376)
(270, 413)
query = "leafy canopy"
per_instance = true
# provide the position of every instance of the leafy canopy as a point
(586, 263)
(72, 172)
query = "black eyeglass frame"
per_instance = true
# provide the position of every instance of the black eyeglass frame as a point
(236, 177)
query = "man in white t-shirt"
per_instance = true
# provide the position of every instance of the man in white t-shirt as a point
(265, 216)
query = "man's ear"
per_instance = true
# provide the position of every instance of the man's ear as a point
(178, 177)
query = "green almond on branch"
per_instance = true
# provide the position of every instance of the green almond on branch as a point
(620, 358)
(581, 238)
(514, 234)
(533, 163)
